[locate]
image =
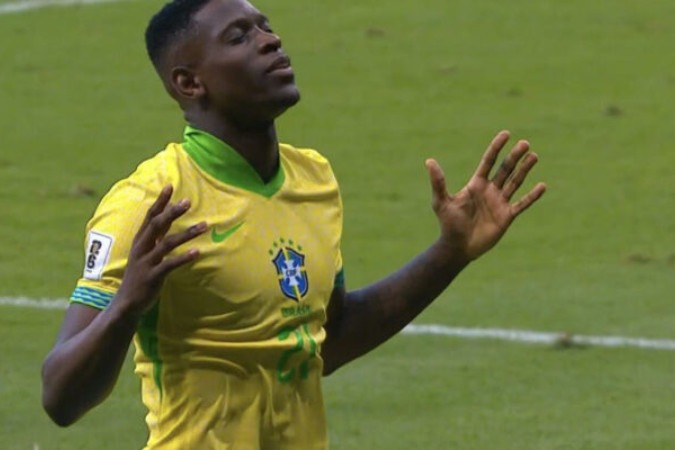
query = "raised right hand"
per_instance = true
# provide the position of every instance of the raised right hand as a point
(148, 264)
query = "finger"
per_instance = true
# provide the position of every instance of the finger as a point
(158, 225)
(169, 264)
(528, 199)
(514, 183)
(156, 208)
(490, 156)
(167, 244)
(439, 191)
(507, 166)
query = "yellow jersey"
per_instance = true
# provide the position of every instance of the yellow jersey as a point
(229, 357)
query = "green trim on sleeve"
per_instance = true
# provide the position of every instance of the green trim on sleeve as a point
(225, 164)
(91, 297)
(339, 278)
(147, 337)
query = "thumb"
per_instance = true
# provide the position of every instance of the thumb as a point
(439, 191)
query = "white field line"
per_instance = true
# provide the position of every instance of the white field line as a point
(539, 337)
(35, 303)
(524, 336)
(27, 5)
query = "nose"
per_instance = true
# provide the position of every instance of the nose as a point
(269, 42)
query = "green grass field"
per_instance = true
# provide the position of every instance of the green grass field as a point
(386, 85)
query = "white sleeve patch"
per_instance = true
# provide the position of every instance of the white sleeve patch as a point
(98, 252)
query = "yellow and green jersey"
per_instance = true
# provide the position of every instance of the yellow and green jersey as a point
(229, 358)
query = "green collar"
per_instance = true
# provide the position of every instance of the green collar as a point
(225, 164)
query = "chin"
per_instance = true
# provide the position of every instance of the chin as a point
(285, 100)
(291, 96)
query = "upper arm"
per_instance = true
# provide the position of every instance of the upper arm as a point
(77, 318)
(330, 350)
(106, 248)
(109, 236)
(335, 311)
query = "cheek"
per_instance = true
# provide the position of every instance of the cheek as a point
(226, 71)
(237, 81)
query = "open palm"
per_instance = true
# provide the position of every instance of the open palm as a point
(473, 220)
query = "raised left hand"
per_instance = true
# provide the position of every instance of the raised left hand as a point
(473, 220)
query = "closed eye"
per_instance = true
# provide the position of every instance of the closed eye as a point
(237, 32)
(237, 39)
(236, 35)
(265, 26)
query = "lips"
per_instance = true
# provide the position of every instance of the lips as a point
(283, 62)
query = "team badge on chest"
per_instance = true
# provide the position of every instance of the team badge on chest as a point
(290, 265)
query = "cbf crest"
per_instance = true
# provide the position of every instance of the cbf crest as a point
(289, 261)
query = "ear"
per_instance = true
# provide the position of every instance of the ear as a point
(186, 84)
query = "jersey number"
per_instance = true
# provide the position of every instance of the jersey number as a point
(284, 374)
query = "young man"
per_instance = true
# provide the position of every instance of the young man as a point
(234, 295)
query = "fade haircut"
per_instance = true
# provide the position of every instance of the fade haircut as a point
(172, 22)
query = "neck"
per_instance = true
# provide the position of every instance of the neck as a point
(257, 144)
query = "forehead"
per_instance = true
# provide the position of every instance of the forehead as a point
(218, 14)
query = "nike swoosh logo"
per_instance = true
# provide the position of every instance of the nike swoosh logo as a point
(220, 237)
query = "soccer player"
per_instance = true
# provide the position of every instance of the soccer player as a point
(220, 256)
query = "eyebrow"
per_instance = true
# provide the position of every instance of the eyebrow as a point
(241, 21)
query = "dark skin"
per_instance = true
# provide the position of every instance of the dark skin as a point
(225, 82)
(231, 78)
(84, 364)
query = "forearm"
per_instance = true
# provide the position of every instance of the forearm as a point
(81, 371)
(373, 314)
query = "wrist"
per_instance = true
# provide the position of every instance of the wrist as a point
(453, 255)
(122, 314)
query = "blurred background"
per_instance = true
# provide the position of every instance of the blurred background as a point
(386, 85)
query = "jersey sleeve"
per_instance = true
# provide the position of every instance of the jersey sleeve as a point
(318, 173)
(339, 263)
(109, 236)
(339, 272)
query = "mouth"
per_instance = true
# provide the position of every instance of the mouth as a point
(281, 64)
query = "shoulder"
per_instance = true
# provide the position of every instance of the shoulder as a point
(306, 156)
(132, 195)
(149, 177)
(306, 163)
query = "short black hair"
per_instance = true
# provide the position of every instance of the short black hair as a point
(171, 22)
